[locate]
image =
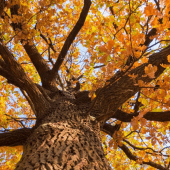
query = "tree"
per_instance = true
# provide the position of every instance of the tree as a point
(82, 81)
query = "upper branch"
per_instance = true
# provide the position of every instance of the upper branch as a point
(70, 38)
(15, 137)
(38, 61)
(126, 117)
(36, 58)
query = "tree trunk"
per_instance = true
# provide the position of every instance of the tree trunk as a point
(65, 139)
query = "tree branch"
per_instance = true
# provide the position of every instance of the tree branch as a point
(38, 61)
(70, 38)
(2, 6)
(158, 152)
(49, 44)
(16, 74)
(138, 148)
(120, 90)
(15, 137)
(8, 76)
(36, 58)
(109, 129)
(129, 154)
(5, 71)
(152, 116)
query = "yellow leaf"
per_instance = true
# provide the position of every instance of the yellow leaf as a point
(2, 102)
(94, 29)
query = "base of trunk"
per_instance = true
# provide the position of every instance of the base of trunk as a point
(63, 146)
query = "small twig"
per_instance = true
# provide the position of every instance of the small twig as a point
(99, 66)
(130, 133)
(19, 121)
(49, 44)
(157, 4)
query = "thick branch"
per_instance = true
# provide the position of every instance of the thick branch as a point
(16, 74)
(2, 6)
(10, 68)
(152, 116)
(71, 37)
(4, 71)
(38, 61)
(112, 96)
(109, 129)
(15, 137)
(36, 58)
(9, 77)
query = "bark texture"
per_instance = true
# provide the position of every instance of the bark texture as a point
(65, 139)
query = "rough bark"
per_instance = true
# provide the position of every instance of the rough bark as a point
(38, 61)
(65, 139)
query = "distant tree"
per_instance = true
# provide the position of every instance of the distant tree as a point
(84, 84)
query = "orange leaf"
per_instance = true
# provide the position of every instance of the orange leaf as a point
(110, 44)
(93, 96)
(150, 70)
(149, 10)
(168, 58)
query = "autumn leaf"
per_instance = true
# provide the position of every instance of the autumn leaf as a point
(102, 48)
(168, 58)
(150, 71)
(110, 44)
(93, 96)
(149, 10)
(134, 123)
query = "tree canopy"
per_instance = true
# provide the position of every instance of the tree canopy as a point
(116, 51)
